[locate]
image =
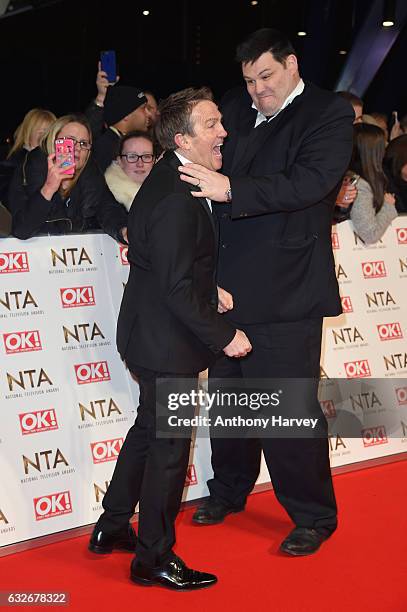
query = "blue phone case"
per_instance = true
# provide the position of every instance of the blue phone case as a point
(108, 64)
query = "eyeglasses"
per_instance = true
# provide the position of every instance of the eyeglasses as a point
(83, 144)
(133, 158)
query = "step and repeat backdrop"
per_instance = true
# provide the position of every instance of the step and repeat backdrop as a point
(67, 399)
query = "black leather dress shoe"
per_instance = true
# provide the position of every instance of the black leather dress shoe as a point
(173, 575)
(103, 543)
(213, 512)
(304, 541)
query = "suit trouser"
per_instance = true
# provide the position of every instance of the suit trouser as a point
(150, 471)
(299, 467)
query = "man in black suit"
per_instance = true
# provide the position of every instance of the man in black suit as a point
(168, 328)
(289, 145)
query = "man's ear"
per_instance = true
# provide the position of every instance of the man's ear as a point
(182, 141)
(291, 63)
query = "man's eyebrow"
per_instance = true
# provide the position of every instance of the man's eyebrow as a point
(212, 119)
(259, 74)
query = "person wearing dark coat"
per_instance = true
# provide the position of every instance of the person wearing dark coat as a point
(288, 148)
(168, 328)
(124, 111)
(395, 167)
(44, 199)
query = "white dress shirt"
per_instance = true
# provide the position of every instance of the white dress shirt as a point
(184, 161)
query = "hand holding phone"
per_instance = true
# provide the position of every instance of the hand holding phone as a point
(65, 155)
(55, 176)
(108, 65)
(395, 129)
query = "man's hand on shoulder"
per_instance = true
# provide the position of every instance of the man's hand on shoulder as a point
(211, 184)
(240, 345)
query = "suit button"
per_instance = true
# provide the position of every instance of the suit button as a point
(243, 214)
(225, 216)
(224, 246)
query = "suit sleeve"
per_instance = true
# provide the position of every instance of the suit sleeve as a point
(173, 236)
(321, 163)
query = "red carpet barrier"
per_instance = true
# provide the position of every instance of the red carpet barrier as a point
(67, 401)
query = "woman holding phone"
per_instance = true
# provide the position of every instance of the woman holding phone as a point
(57, 193)
(374, 208)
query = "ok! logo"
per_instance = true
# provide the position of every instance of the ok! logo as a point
(73, 297)
(22, 341)
(14, 262)
(97, 371)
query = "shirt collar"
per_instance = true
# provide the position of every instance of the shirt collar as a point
(295, 92)
(183, 161)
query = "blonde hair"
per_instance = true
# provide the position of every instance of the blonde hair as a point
(48, 142)
(31, 120)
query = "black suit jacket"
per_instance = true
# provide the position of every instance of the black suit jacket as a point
(275, 253)
(168, 320)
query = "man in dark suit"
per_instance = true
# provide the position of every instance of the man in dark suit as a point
(289, 145)
(168, 328)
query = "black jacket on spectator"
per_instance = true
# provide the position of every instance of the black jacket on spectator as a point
(90, 205)
(105, 148)
(94, 114)
(399, 188)
(7, 169)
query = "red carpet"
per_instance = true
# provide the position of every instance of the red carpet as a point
(363, 566)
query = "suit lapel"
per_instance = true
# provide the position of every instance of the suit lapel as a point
(246, 132)
(174, 163)
(252, 142)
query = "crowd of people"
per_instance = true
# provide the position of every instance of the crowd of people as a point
(119, 125)
(114, 150)
(377, 173)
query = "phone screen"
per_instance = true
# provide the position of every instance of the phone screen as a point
(108, 64)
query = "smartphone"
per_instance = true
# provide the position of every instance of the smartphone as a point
(108, 64)
(394, 119)
(354, 179)
(65, 154)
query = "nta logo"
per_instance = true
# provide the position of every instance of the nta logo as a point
(379, 298)
(42, 461)
(70, 257)
(18, 300)
(28, 378)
